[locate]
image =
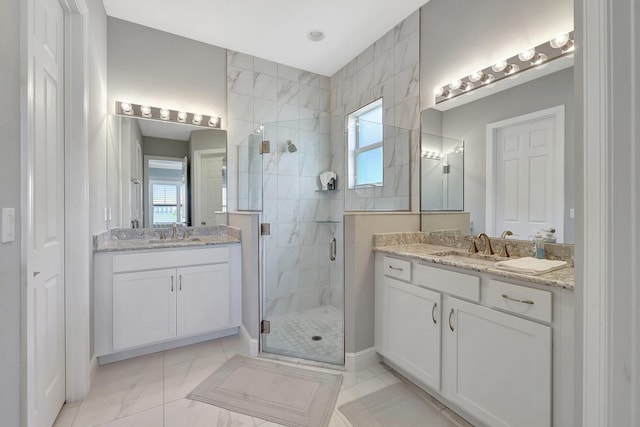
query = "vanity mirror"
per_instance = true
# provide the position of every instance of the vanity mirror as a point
(163, 173)
(518, 154)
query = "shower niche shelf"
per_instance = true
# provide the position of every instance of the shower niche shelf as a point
(326, 191)
(327, 221)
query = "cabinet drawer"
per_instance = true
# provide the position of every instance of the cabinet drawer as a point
(451, 282)
(165, 259)
(398, 268)
(528, 302)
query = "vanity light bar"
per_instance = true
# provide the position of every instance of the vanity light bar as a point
(167, 115)
(555, 48)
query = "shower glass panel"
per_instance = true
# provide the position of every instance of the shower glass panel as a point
(442, 173)
(393, 193)
(302, 287)
(250, 172)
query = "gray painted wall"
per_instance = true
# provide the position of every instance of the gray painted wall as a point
(164, 147)
(468, 123)
(249, 224)
(10, 197)
(148, 66)
(452, 46)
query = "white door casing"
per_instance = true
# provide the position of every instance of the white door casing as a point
(525, 174)
(207, 186)
(45, 203)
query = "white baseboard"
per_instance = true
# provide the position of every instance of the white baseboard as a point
(252, 343)
(154, 348)
(363, 359)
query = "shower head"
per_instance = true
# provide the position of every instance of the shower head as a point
(291, 147)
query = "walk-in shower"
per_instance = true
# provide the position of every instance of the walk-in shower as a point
(302, 257)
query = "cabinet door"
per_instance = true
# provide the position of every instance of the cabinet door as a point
(498, 366)
(413, 330)
(144, 307)
(203, 299)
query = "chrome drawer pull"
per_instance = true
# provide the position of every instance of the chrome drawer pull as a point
(450, 325)
(433, 310)
(396, 268)
(523, 301)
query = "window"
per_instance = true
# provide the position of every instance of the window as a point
(167, 191)
(167, 203)
(365, 146)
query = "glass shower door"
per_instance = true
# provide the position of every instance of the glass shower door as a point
(302, 286)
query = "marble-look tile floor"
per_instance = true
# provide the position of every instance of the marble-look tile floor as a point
(292, 333)
(150, 391)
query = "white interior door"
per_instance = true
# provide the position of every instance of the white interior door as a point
(209, 183)
(45, 282)
(529, 174)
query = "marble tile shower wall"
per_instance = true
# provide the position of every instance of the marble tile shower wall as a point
(389, 68)
(293, 105)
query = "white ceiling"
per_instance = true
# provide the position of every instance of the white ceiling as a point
(274, 29)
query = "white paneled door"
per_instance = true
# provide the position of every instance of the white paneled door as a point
(45, 284)
(209, 184)
(529, 174)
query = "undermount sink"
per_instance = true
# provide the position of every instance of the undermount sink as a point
(469, 258)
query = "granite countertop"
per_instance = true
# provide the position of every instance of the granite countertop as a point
(562, 278)
(142, 238)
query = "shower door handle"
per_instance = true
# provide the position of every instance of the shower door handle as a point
(332, 249)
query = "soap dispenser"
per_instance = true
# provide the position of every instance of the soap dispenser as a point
(539, 246)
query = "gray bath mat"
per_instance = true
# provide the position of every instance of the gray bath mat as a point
(398, 405)
(283, 394)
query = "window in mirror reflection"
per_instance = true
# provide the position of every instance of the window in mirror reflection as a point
(365, 146)
(167, 190)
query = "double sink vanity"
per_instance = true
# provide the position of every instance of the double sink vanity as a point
(495, 345)
(153, 293)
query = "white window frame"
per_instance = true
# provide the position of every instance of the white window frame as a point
(179, 202)
(354, 144)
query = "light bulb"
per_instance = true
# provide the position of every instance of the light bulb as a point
(559, 41)
(454, 85)
(568, 47)
(438, 91)
(164, 114)
(145, 110)
(126, 108)
(499, 66)
(197, 118)
(466, 87)
(527, 55)
(511, 69)
(213, 121)
(474, 77)
(447, 94)
(182, 116)
(538, 59)
(487, 78)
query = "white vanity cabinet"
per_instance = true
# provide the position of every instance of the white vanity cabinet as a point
(412, 332)
(144, 308)
(498, 366)
(146, 297)
(482, 345)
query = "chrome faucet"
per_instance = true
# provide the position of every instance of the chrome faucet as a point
(488, 250)
(174, 232)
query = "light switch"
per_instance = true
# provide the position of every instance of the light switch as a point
(8, 225)
(572, 213)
